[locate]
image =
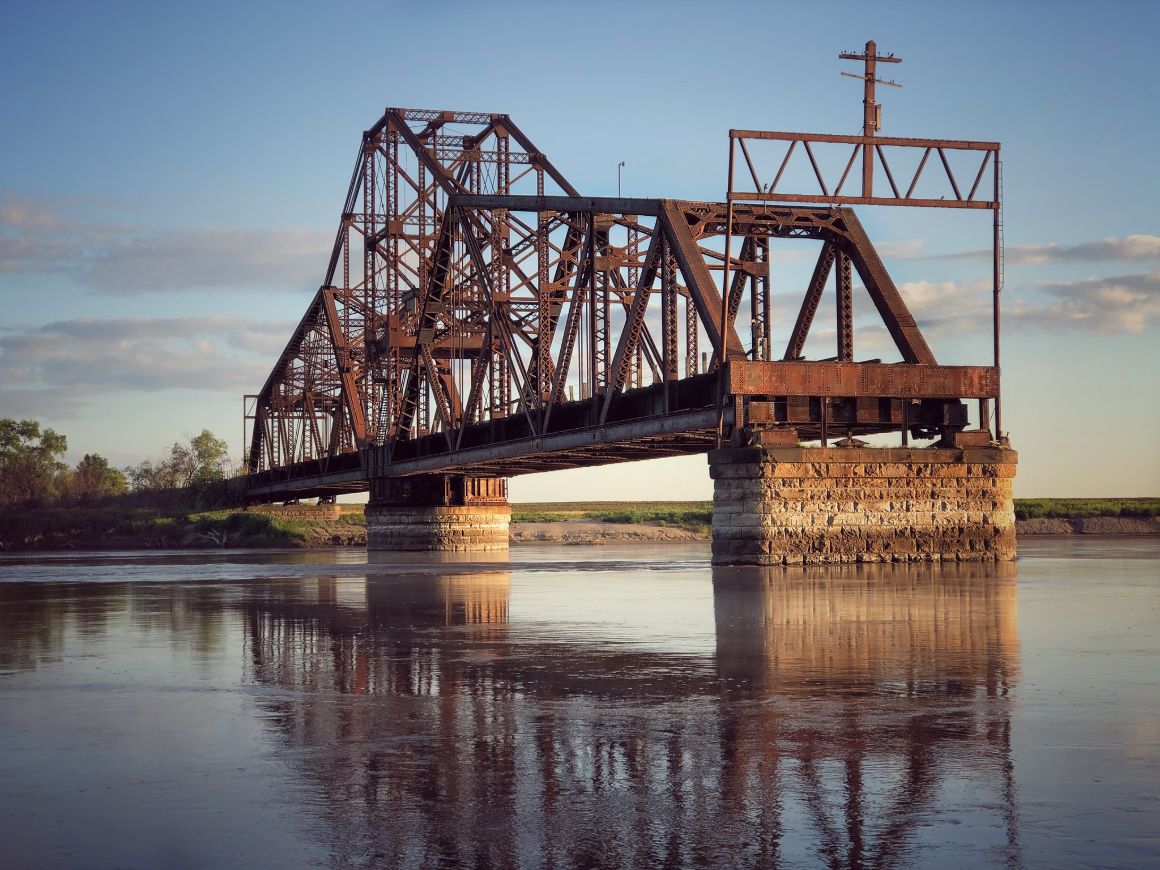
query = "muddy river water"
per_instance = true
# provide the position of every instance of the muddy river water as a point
(579, 707)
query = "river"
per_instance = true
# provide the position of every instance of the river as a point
(579, 707)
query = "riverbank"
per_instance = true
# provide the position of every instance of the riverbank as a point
(113, 528)
(581, 523)
(1089, 526)
(627, 522)
(586, 532)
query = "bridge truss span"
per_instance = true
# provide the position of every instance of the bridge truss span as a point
(479, 316)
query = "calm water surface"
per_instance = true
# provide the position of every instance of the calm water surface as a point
(578, 707)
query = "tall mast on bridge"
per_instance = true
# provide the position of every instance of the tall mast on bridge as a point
(871, 111)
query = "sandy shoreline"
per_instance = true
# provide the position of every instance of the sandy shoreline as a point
(589, 532)
(597, 532)
(1133, 526)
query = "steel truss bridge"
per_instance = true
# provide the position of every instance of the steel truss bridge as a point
(480, 317)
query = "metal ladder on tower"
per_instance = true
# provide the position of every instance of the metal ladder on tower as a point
(382, 414)
(1002, 236)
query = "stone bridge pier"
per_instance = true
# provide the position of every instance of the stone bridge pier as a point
(814, 505)
(445, 512)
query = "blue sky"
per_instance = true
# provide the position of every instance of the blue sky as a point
(172, 176)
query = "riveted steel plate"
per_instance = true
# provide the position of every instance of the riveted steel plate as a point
(779, 378)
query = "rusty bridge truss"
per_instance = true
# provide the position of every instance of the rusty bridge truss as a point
(480, 316)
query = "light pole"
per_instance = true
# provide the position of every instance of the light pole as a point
(619, 166)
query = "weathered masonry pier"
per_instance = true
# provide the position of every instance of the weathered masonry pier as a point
(480, 319)
(451, 513)
(795, 505)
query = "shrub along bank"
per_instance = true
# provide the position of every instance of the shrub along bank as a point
(115, 527)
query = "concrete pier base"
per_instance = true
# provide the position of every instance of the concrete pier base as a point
(812, 505)
(440, 512)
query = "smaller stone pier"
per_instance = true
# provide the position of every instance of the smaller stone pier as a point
(443, 512)
(813, 505)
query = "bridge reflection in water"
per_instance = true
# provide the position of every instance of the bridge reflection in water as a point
(852, 718)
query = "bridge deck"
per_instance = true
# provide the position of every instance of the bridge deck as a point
(506, 447)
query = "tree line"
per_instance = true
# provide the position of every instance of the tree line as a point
(33, 471)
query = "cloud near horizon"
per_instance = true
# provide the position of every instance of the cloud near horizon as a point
(1118, 304)
(1135, 248)
(41, 237)
(69, 361)
(1106, 306)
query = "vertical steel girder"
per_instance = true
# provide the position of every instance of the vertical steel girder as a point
(702, 289)
(759, 309)
(345, 367)
(845, 314)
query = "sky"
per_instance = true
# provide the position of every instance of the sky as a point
(172, 175)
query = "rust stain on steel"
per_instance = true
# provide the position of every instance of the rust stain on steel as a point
(766, 180)
(854, 380)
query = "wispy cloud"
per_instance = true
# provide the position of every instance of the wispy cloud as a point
(1139, 247)
(23, 404)
(945, 307)
(90, 356)
(1122, 304)
(1135, 248)
(1119, 304)
(43, 237)
(910, 249)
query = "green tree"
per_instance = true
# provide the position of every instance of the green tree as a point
(204, 457)
(143, 476)
(201, 459)
(30, 463)
(94, 479)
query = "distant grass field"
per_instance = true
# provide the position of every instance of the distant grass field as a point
(52, 528)
(698, 513)
(673, 513)
(1074, 508)
(693, 515)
